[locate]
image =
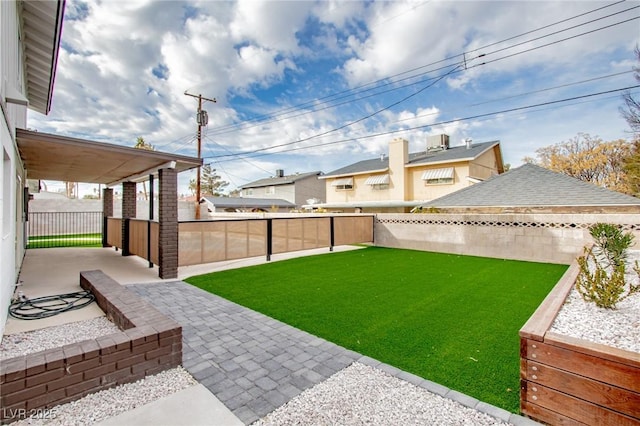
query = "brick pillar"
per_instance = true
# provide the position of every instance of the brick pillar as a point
(107, 211)
(168, 223)
(128, 211)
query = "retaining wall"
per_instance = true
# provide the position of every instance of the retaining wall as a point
(566, 380)
(149, 342)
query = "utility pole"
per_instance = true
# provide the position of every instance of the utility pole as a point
(203, 119)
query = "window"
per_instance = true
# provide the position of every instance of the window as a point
(343, 184)
(378, 182)
(270, 190)
(248, 192)
(438, 176)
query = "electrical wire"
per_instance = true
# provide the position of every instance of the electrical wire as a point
(456, 69)
(473, 117)
(48, 306)
(356, 91)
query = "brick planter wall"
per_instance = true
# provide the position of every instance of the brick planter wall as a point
(149, 343)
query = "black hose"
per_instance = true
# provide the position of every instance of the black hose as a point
(48, 306)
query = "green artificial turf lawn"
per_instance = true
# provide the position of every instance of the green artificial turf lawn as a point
(448, 318)
(66, 240)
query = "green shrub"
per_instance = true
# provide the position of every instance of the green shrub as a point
(611, 244)
(601, 279)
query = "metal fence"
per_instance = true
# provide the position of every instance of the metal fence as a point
(64, 229)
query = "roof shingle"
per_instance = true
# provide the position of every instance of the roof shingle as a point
(530, 185)
(283, 180)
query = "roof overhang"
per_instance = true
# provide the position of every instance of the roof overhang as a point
(55, 157)
(42, 29)
(365, 172)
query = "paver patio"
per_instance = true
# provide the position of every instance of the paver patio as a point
(252, 363)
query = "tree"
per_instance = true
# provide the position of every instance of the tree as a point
(141, 144)
(632, 169)
(210, 182)
(632, 115)
(632, 111)
(589, 159)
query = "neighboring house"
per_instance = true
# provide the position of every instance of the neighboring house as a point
(531, 188)
(296, 189)
(30, 33)
(402, 181)
(239, 204)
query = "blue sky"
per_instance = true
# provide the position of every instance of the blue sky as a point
(305, 86)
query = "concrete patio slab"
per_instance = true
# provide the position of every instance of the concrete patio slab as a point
(54, 271)
(193, 406)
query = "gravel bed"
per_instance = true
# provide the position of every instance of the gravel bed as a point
(363, 395)
(101, 405)
(618, 328)
(52, 337)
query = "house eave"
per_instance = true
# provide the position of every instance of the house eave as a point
(366, 204)
(366, 172)
(42, 24)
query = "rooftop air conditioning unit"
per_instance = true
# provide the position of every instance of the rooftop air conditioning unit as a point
(437, 142)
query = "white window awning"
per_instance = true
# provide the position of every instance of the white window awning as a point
(377, 180)
(445, 173)
(342, 182)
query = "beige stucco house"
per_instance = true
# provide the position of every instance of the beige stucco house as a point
(402, 180)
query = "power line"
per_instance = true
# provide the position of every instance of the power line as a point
(473, 117)
(450, 72)
(354, 91)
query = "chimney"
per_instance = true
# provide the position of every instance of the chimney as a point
(279, 173)
(468, 141)
(398, 158)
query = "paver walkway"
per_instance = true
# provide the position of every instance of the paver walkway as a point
(252, 363)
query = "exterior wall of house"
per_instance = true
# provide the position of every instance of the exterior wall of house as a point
(296, 193)
(12, 175)
(285, 192)
(309, 187)
(420, 190)
(485, 165)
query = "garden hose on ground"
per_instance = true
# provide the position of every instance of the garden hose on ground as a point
(48, 306)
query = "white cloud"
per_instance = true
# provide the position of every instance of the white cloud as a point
(126, 65)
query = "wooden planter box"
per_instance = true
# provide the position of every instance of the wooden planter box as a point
(566, 381)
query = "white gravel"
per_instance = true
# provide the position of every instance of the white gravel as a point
(52, 337)
(101, 405)
(618, 328)
(363, 395)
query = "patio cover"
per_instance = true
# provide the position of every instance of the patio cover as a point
(55, 157)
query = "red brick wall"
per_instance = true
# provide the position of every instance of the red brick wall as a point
(149, 343)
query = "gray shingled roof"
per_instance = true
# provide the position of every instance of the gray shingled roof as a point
(531, 185)
(240, 202)
(273, 181)
(455, 153)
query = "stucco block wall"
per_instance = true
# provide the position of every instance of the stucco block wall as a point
(550, 238)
